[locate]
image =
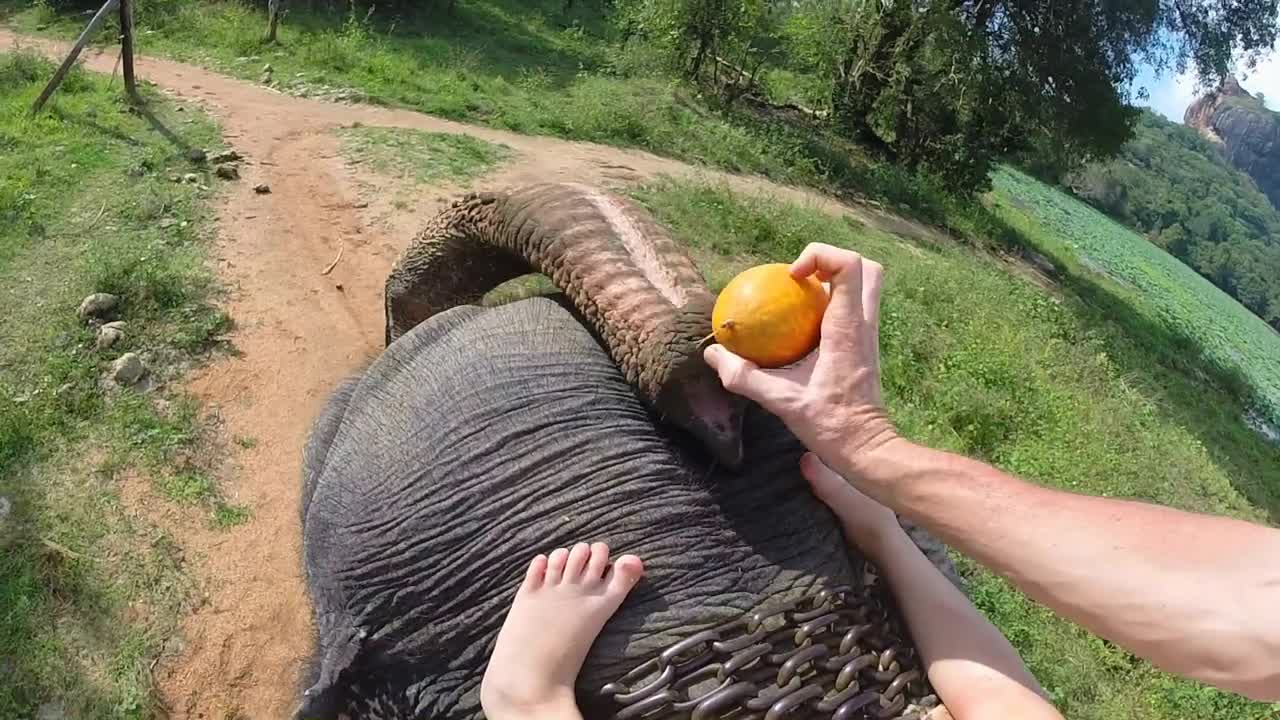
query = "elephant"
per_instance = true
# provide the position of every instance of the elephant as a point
(482, 436)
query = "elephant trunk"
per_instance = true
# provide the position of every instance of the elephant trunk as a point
(627, 277)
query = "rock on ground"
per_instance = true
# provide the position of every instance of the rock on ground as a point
(127, 369)
(97, 305)
(262, 188)
(108, 337)
(226, 156)
(227, 172)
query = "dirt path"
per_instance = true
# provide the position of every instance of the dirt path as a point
(300, 332)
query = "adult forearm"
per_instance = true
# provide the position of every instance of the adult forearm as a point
(968, 661)
(1194, 594)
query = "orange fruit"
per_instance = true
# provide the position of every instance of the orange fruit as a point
(769, 317)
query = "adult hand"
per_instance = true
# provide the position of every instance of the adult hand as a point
(830, 399)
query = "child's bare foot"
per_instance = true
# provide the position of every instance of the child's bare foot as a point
(559, 610)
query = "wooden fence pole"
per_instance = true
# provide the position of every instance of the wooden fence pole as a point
(81, 41)
(126, 50)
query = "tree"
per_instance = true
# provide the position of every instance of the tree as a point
(949, 86)
(274, 8)
(693, 33)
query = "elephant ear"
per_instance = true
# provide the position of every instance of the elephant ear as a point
(325, 699)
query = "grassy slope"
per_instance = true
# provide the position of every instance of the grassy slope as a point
(983, 362)
(89, 590)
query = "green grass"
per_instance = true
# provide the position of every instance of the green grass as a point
(90, 590)
(421, 157)
(980, 361)
(521, 65)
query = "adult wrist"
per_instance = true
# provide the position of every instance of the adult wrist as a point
(879, 469)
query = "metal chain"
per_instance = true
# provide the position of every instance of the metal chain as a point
(838, 654)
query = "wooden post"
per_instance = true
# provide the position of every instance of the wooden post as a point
(81, 41)
(273, 18)
(126, 50)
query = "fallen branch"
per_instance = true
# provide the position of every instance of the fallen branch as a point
(96, 218)
(64, 550)
(341, 246)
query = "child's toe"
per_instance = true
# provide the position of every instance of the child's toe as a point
(536, 574)
(598, 563)
(577, 562)
(555, 565)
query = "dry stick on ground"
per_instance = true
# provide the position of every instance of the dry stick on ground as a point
(64, 550)
(81, 41)
(96, 218)
(126, 50)
(341, 246)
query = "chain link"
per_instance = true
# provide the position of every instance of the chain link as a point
(838, 654)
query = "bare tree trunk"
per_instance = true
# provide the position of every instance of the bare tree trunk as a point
(81, 41)
(273, 18)
(126, 50)
(695, 68)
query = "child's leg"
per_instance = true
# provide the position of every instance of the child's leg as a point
(559, 610)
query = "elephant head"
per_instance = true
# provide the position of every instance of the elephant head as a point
(482, 436)
(634, 285)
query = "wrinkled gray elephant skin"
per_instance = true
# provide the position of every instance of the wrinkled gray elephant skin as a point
(482, 437)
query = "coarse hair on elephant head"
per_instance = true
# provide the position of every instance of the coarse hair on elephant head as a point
(633, 284)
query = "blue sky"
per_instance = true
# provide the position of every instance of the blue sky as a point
(1170, 94)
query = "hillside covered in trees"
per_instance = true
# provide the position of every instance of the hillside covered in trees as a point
(1178, 189)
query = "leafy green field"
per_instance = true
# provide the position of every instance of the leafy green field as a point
(90, 591)
(1231, 338)
(1045, 385)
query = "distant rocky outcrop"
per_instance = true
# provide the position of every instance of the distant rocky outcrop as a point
(1246, 131)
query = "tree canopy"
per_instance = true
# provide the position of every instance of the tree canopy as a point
(950, 86)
